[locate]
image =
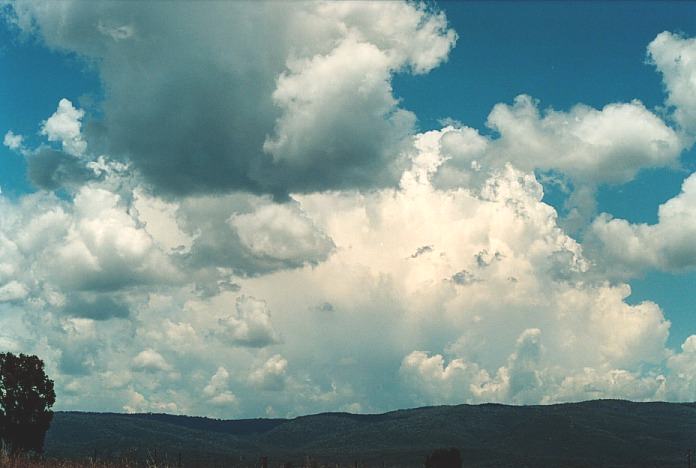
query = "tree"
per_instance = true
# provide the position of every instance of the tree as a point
(26, 397)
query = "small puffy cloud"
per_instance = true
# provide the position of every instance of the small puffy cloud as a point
(218, 382)
(136, 403)
(225, 398)
(13, 291)
(281, 233)
(271, 375)
(629, 249)
(151, 361)
(64, 126)
(248, 234)
(12, 140)
(217, 390)
(250, 325)
(116, 32)
(675, 57)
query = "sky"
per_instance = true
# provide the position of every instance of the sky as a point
(275, 209)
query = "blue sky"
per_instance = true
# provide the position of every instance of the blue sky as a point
(230, 175)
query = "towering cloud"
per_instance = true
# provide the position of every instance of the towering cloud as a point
(249, 223)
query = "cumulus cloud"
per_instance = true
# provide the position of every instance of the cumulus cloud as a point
(248, 234)
(533, 325)
(217, 389)
(50, 168)
(64, 126)
(585, 146)
(455, 284)
(12, 140)
(607, 145)
(150, 360)
(675, 57)
(13, 291)
(104, 248)
(281, 233)
(250, 325)
(271, 375)
(629, 249)
(314, 111)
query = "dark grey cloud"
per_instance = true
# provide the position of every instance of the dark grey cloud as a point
(422, 250)
(260, 97)
(51, 169)
(100, 307)
(463, 277)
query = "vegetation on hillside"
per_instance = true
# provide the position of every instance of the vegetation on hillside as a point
(604, 433)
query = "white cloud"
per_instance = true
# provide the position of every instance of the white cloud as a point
(160, 222)
(629, 249)
(217, 390)
(590, 145)
(104, 247)
(675, 57)
(150, 360)
(117, 33)
(12, 141)
(271, 375)
(64, 126)
(458, 284)
(282, 233)
(367, 304)
(584, 146)
(250, 325)
(13, 291)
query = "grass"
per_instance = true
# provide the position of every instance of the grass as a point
(20, 461)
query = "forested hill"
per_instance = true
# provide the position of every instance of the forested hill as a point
(601, 433)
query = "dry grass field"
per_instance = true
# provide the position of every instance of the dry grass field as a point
(7, 461)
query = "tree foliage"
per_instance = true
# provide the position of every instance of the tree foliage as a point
(26, 397)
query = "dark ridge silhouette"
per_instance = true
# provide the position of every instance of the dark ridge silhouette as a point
(601, 433)
(226, 426)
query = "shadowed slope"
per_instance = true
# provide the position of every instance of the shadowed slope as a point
(594, 433)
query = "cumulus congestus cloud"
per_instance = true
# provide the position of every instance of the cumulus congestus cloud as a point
(250, 224)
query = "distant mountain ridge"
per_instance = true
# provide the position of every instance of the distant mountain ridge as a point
(600, 433)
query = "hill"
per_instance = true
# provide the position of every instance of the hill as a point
(601, 433)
